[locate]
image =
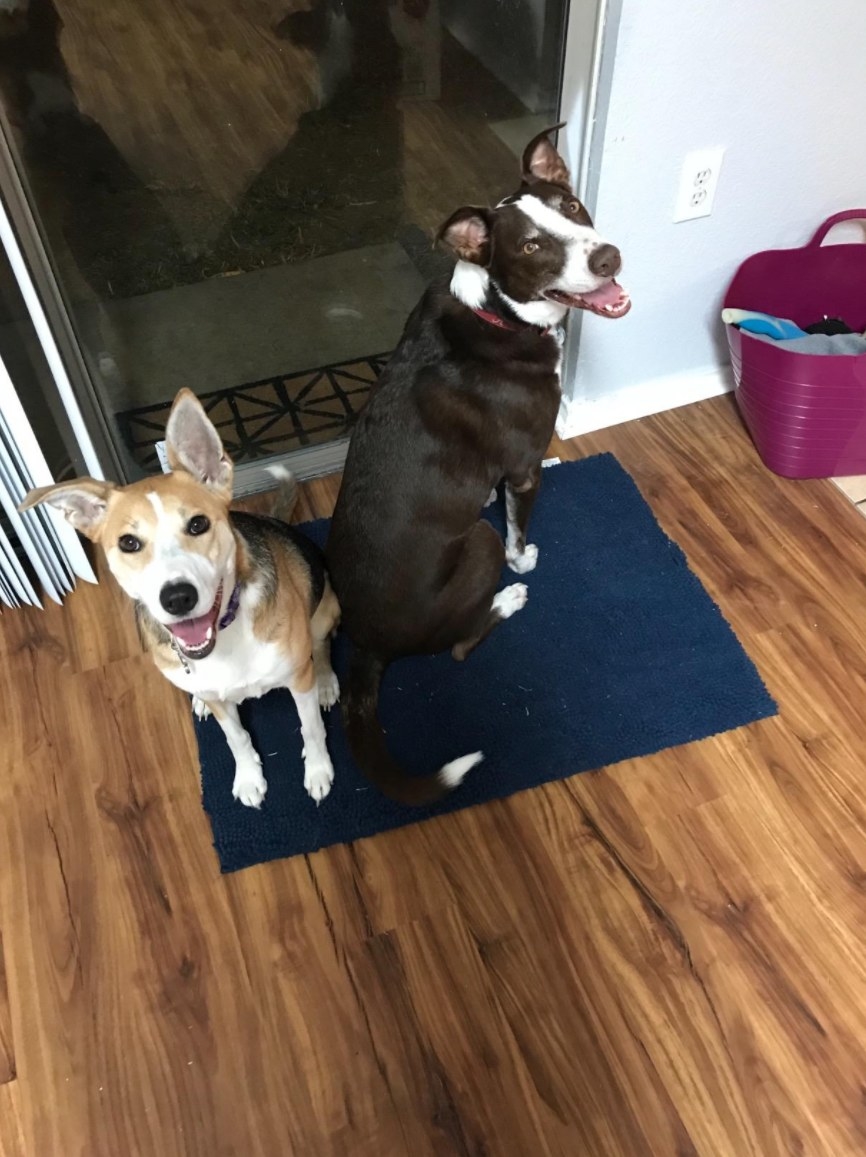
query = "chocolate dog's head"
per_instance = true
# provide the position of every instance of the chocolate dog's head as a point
(538, 249)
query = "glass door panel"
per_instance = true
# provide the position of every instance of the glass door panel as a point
(241, 198)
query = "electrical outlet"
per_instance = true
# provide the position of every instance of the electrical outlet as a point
(698, 182)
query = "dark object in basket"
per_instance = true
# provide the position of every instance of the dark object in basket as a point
(831, 326)
(806, 413)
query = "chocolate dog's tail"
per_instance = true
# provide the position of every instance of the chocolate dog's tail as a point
(367, 741)
(286, 495)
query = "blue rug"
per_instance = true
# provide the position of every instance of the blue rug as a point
(619, 652)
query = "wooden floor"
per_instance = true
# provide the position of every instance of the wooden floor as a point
(666, 957)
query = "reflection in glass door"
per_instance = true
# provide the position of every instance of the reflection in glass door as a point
(240, 198)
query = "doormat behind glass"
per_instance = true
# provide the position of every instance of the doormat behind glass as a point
(272, 416)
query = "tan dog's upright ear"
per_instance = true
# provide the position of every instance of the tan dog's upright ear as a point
(541, 161)
(193, 445)
(83, 502)
(467, 233)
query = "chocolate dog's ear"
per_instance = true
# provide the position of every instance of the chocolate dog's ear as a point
(467, 233)
(192, 444)
(83, 502)
(541, 161)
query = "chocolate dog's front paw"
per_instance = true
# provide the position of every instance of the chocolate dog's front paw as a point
(525, 560)
(510, 600)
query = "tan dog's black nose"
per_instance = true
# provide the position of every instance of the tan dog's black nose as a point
(605, 261)
(178, 598)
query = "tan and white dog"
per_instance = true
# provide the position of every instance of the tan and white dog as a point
(229, 605)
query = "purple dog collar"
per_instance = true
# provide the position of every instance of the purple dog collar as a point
(232, 609)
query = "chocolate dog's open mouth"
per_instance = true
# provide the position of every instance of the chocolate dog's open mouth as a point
(196, 638)
(611, 300)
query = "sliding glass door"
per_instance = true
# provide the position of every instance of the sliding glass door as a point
(38, 549)
(240, 198)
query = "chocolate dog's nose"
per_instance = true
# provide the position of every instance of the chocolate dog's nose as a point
(605, 261)
(178, 598)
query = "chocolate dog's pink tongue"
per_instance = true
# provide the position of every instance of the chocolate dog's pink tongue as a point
(608, 294)
(193, 632)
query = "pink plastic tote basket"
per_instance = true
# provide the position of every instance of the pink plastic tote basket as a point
(805, 412)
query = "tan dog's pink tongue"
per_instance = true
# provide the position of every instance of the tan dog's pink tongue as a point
(193, 632)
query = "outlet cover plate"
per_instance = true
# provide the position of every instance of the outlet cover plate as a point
(698, 182)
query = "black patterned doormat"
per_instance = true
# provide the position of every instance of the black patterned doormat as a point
(272, 416)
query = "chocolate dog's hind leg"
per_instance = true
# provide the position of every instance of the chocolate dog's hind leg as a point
(478, 608)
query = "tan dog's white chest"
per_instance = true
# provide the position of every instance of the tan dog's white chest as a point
(240, 667)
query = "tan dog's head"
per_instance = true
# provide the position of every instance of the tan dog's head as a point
(168, 539)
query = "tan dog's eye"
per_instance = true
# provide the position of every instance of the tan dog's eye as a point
(530, 247)
(129, 544)
(571, 206)
(198, 524)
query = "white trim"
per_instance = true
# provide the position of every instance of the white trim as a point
(585, 415)
(22, 467)
(309, 462)
(49, 346)
(587, 81)
(15, 586)
(592, 99)
(258, 476)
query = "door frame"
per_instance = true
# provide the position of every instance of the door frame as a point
(590, 52)
(95, 449)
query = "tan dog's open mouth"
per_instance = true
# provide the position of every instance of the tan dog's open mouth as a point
(196, 638)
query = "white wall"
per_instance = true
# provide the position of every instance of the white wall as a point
(782, 85)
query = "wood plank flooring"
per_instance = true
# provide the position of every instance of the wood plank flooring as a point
(661, 958)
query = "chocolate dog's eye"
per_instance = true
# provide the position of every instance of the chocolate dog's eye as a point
(129, 544)
(198, 524)
(530, 247)
(571, 206)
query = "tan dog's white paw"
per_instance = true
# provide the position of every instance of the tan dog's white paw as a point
(249, 784)
(329, 690)
(318, 779)
(200, 709)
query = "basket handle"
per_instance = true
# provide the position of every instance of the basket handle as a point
(822, 230)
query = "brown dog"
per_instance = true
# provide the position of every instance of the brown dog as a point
(468, 400)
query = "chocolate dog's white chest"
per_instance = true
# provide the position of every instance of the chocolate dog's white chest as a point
(240, 667)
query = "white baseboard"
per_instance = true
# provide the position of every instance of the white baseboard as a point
(585, 415)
